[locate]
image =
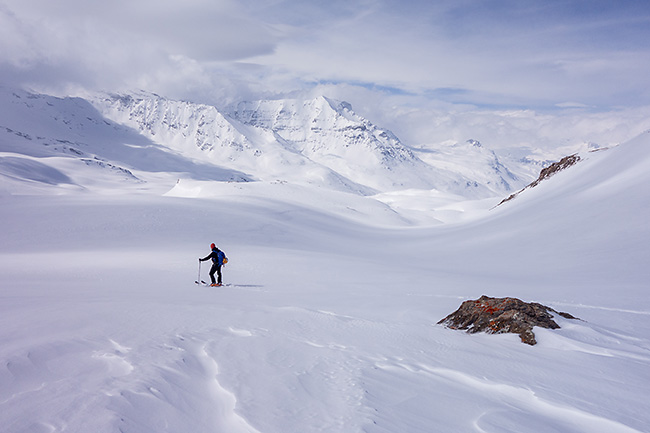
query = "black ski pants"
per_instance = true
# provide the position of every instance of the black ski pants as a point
(216, 267)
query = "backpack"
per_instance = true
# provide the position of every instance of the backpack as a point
(222, 257)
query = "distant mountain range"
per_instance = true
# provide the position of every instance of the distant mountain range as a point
(319, 142)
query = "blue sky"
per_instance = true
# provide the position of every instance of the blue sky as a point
(541, 54)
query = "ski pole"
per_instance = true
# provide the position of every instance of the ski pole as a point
(198, 279)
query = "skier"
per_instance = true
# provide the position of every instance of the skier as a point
(218, 259)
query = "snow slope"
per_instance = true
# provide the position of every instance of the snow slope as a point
(330, 322)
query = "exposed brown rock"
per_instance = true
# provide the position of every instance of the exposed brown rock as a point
(503, 315)
(547, 172)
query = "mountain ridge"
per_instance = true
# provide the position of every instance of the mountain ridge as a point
(319, 142)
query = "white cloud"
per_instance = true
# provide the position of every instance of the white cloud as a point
(124, 43)
(505, 55)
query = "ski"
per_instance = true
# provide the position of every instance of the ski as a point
(245, 286)
(203, 283)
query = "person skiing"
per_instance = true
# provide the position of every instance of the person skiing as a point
(218, 259)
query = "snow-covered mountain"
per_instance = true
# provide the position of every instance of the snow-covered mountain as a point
(65, 142)
(319, 142)
(473, 161)
(202, 132)
(331, 134)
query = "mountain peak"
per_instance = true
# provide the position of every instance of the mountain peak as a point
(340, 107)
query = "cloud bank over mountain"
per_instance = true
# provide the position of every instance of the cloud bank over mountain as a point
(572, 53)
(428, 71)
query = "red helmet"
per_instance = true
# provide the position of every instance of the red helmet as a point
(212, 246)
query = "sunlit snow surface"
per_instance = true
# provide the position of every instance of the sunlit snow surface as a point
(329, 321)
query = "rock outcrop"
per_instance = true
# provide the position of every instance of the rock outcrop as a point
(503, 315)
(546, 173)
